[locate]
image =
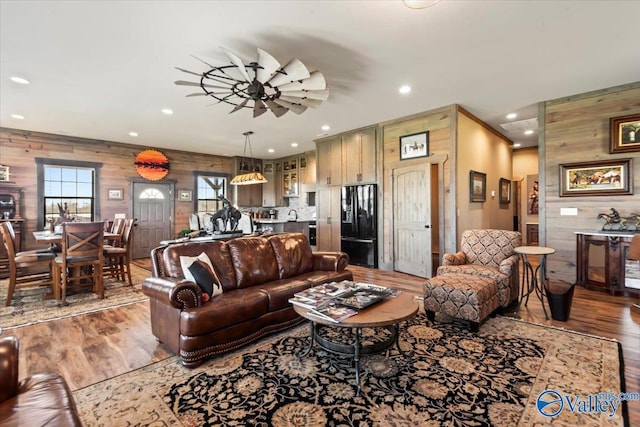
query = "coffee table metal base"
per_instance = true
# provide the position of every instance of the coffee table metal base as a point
(356, 349)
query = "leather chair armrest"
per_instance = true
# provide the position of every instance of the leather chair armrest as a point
(179, 293)
(330, 261)
(509, 265)
(8, 368)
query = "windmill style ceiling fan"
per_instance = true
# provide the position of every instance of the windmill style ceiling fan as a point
(261, 85)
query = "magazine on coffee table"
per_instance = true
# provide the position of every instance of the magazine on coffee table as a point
(313, 300)
(333, 313)
(334, 289)
(361, 298)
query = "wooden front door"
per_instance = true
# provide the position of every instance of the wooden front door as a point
(412, 220)
(153, 207)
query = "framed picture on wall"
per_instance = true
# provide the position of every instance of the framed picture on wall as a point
(115, 194)
(504, 190)
(477, 186)
(597, 178)
(532, 194)
(414, 145)
(185, 195)
(624, 134)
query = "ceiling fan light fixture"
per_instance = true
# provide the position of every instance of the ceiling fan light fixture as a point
(263, 85)
(253, 176)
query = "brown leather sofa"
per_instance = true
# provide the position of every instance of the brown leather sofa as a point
(258, 276)
(39, 400)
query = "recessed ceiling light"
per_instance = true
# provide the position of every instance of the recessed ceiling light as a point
(516, 145)
(404, 89)
(528, 132)
(167, 111)
(271, 150)
(294, 144)
(133, 133)
(326, 127)
(17, 116)
(511, 116)
(20, 80)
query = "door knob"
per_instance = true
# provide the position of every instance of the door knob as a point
(427, 226)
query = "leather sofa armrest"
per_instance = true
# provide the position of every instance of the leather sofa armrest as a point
(179, 293)
(330, 261)
(8, 368)
(509, 265)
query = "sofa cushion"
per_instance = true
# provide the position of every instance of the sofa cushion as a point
(293, 254)
(280, 291)
(217, 252)
(227, 309)
(253, 260)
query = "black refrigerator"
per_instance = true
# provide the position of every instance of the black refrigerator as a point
(359, 224)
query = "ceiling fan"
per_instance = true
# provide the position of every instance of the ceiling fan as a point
(261, 85)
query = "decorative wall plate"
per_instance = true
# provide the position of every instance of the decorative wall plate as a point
(152, 165)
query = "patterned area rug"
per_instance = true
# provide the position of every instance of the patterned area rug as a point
(30, 305)
(450, 376)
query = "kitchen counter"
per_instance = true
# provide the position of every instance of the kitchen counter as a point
(284, 225)
(278, 221)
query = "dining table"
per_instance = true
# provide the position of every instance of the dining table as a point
(56, 238)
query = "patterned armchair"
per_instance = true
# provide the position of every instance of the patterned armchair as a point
(488, 253)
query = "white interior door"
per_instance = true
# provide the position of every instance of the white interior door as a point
(153, 207)
(412, 220)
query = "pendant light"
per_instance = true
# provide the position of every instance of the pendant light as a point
(252, 176)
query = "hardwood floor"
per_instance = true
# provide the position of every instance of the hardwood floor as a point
(96, 346)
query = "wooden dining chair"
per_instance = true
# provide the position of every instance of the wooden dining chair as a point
(118, 259)
(81, 257)
(117, 227)
(634, 254)
(25, 268)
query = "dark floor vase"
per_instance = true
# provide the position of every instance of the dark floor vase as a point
(560, 297)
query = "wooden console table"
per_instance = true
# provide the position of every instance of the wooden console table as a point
(601, 258)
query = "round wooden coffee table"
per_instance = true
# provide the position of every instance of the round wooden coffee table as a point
(385, 314)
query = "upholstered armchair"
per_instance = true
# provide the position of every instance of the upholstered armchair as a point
(488, 253)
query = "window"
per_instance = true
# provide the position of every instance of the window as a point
(67, 188)
(151, 193)
(208, 187)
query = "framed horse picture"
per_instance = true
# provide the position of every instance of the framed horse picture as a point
(598, 178)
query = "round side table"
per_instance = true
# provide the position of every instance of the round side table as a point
(534, 279)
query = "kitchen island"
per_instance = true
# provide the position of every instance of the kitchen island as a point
(283, 225)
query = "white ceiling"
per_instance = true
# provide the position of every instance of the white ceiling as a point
(100, 69)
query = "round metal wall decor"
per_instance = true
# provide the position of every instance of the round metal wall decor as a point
(152, 165)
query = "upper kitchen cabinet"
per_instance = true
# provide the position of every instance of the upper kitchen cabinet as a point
(359, 157)
(248, 195)
(269, 188)
(329, 162)
(308, 171)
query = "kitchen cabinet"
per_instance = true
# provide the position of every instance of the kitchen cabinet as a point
(601, 260)
(359, 157)
(290, 177)
(269, 188)
(329, 162)
(248, 195)
(328, 218)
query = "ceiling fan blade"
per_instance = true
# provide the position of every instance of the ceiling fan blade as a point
(258, 108)
(235, 60)
(269, 66)
(239, 106)
(322, 95)
(186, 83)
(304, 101)
(293, 71)
(315, 82)
(190, 72)
(296, 108)
(276, 109)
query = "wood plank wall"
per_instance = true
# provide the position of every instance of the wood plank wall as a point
(576, 129)
(18, 149)
(438, 123)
